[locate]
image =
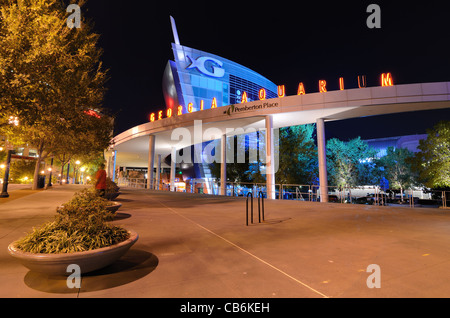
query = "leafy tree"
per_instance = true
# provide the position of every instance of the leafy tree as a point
(236, 171)
(350, 163)
(397, 168)
(50, 77)
(297, 155)
(433, 161)
(22, 171)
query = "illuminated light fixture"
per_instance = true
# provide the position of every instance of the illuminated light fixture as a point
(301, 89)
(262, 94)
(281, 91)
(341, 83)
(362, 82)
(160, 114)
(92, 112)
(190, 107)
(169, 112)
(244, 98)
(202, 103)
(180, 110)
(13, 121)
(322, 86)
(386, 79)
(214, 103)
(152, 117)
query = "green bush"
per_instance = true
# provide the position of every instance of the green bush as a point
(80, 225)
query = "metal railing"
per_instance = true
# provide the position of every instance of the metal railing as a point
(261, 216)
(369, 195)
(246, 208)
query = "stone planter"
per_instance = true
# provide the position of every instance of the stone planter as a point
(114, 207)
(56, 264)
(111, 195)
(111, 208)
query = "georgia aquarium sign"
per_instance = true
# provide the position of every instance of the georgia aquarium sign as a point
(207, 65)
(217, 71)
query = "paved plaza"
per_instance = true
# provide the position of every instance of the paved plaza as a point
(198, 246)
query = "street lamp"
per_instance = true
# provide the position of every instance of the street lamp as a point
(49, 184)
(82, 169)
(77, 163)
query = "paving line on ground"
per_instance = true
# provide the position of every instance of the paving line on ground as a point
(244, 250)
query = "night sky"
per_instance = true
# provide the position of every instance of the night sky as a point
(287, 42)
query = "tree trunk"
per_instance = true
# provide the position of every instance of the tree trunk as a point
(61, 173)
(63, 163)
(36, 173)
(38, 166)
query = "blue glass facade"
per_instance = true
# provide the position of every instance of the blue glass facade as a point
(199, 77)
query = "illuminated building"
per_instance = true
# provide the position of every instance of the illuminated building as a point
(200, 80)
(197, 80)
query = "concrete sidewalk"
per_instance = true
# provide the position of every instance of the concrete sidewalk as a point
(198, 246)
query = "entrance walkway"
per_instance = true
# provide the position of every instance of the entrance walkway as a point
(198, 246)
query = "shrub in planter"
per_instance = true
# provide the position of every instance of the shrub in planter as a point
(80, 234)
(88, 202)
(80, 225)
(112, 190)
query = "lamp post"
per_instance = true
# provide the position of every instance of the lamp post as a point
(82, 169)
(49, 184)
(68, 170)
(4, 193)
(77, 163)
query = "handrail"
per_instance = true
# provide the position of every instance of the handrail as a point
(246, 207)
(260, 195)
(260, 207)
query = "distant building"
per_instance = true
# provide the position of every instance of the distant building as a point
(197, 80)
(410, 142)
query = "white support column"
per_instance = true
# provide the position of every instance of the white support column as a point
(151, 161)
(158, 172)
(270, 158)
(172, 168)
(223, 165)
(323, 177)
(108, 167)
(114, 160)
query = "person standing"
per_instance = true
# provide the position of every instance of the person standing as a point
(100, 184)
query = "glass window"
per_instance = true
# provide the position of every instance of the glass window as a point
(32, 153)
(211, 84)
(195, 80)
(19, 151)
(203, 82)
